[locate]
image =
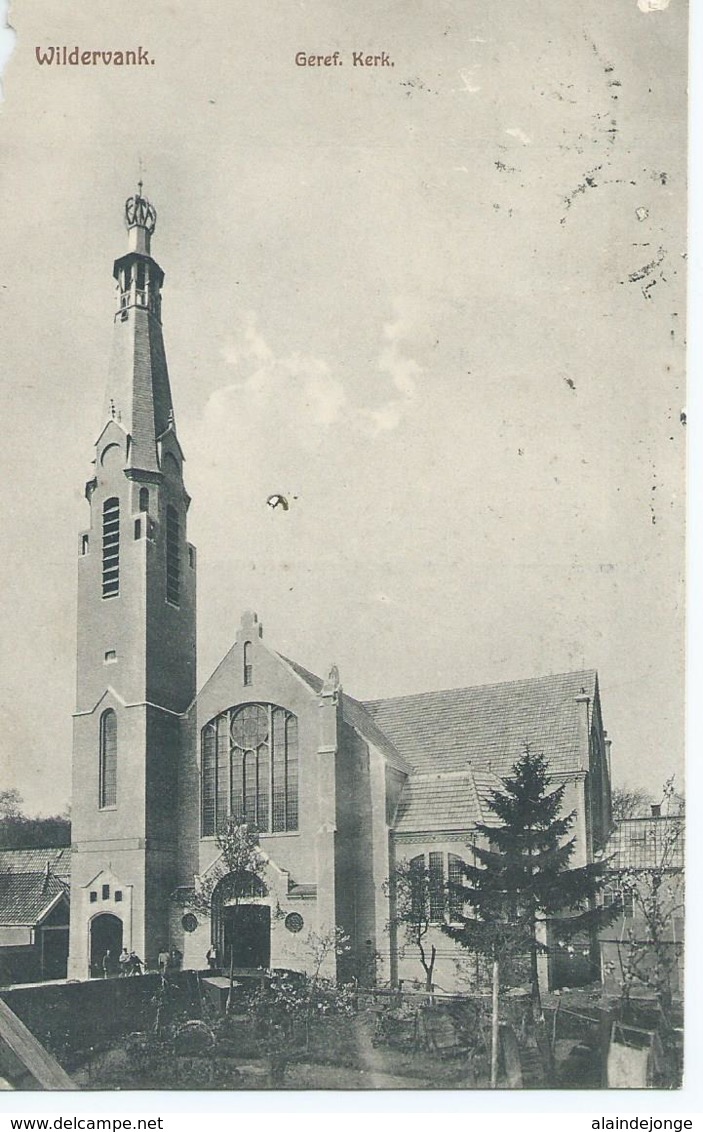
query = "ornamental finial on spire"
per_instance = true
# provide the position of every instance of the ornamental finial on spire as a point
(140, 218)
(139, 212)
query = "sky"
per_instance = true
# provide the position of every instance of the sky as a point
(439, 305)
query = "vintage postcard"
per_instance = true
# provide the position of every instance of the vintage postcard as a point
(343, 400)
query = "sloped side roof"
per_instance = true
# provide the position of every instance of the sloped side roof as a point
(647, 843)
(485, 728)
(453, 801)
(24, 897)
(310, 678)
(355, 714)
(36, 860)
(456, 745)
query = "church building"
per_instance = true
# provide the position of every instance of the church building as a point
(340, 790)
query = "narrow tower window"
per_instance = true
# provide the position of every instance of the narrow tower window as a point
(173, 564)
(248, 667)
(143, 498)
(111, 548)
(108, 759)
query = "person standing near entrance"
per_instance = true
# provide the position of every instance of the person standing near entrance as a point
(134, 964)
(108, 965)
(211, 956)
(124, 962)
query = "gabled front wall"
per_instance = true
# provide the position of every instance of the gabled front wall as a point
(306, 856)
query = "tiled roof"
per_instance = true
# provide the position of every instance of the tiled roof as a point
(444, 802)
(310, 678)
(647, 843)
(354, 714)
(485, 728)
(456, 745)
(486, 784)
(25, 897)
(35, 861)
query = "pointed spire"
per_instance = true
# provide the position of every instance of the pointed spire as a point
(138, 392)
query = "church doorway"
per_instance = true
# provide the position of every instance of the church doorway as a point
(241, 932)
(105, 935)
(247, 936)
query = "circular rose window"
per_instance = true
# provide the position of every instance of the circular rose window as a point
(189, 922)
(294, 922)
(250, 727)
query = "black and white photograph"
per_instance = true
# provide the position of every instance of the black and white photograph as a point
(342, 587)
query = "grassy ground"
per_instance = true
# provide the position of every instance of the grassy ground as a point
(411, 1048)
(338, 1053)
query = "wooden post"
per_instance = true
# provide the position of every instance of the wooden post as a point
(494, 1027)
(24, 1061)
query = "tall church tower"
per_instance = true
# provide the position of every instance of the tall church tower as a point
(136, 637)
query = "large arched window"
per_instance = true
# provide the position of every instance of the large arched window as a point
(107, 788)
(434, 894)
(111, 547)
(249, 769)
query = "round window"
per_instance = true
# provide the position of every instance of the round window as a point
(189, 922)
(294, 922)
(250, 727)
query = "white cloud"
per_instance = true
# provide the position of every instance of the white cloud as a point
(516, 132)
(385, 419)
(325, 396)
(467, 78)
(401, 369)
(296, 399)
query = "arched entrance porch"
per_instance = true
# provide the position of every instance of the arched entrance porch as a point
(105, 935)
(241, 927)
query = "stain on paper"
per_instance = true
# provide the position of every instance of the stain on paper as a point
(652, 5)
(8, 39)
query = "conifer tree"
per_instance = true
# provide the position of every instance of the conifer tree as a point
(522, 873)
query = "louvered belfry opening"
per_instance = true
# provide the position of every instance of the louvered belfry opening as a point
(111, 547)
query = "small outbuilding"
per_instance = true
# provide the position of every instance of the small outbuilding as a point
(34, 915)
